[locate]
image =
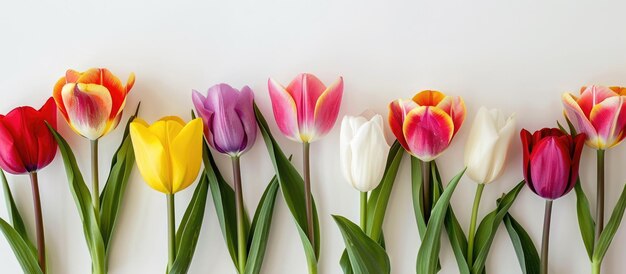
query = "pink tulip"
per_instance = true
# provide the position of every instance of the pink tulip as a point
(426, 125)
(600, 113)
(306, 109)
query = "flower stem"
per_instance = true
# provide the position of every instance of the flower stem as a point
(242, 238)
(307, 193)
(364, 211)
(545, 242)
(426, 194)
(472, 229)
(171, 225)
(600, 194)
(41, 241)
(95, 185)
(595, 267)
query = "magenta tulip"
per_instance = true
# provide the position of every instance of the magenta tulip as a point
(228, 116)
(551, 161)
(306, 109)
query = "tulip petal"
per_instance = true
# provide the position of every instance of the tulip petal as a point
(591, 96)
(58, 97)
(206, 114)
(619, 90)
(72, 76)
(186, 153)
(48, 112)
(507, 132)
(88, 107)
(398, 110)
(455, 107)
(429, 98)
(245, 111)
(368, 162)
(285, 111)
(151, 156)
(116, 89)
(609, 120)
(349, 127)
(305, 90)
(428, 131)
(226, 126)
(10, 159)
(580, 121)
(480, 149)
(527, 143)
(550, 168)
(327, 109)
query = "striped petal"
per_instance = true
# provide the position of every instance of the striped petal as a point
(593, 95)
(609, 120)
(429, 98)
(151, 156)
(398, 110)
(285, 111)
(305, 90)
(550, 168)
(428, 132)
(455, 107)
(58, 97)
(327, 109)
(576, 115)
(186, 153)
(88, 107)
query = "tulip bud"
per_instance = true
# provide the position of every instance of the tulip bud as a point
(551, 161)
(26, 143)
(305, 110)
(488, 144)
(362, 151)
(228, 116)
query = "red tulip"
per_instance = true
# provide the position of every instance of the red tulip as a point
(26, 144)
(551, 161)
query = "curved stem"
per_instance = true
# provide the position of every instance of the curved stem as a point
(600, 194)
(95, 185)
(545, 242)
(472, 230)
(426, 192)
(171, 225)
(307, 193)
(364, 211)
(242, 239)
(41, 241)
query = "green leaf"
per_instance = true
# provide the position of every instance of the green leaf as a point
(292, 187)
(260, 228)
(585, 220)
(23, 252)
(428, 254)
(115, 187)
(189, 229)
(366, 256)
(378, 201)
(487, 229)
(14, 214)
(524, 247)
(606, 237)
(82, 198)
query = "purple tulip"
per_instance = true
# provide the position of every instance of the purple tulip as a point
(228, 116)
(551, 161)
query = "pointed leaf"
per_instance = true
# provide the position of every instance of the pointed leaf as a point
(260, 228)
(606, 237)
(366, 256)
(585, 220)
(524, 247)
(23, 252)
(14, 214)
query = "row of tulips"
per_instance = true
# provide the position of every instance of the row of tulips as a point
(170, 153)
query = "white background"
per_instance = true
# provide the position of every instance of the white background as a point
(515, 55)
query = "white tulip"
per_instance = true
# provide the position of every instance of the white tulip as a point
(488, 143)
(363, 151)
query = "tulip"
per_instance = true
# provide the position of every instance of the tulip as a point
(361, 149)
(305, 111)
(599, 113)
(551, 161)
(169, 154)
(426, 125)
(485, 153)
(228, 116)
(92, 103)
(26, 146)
(488, 144)
(230, 128)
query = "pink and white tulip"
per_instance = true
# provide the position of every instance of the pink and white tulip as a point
(306, 109)
(600, 113)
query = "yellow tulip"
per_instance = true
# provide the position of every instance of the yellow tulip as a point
(168, 152)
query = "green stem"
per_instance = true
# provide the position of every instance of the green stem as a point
(595, 267)
(41, 241)
(95, 189)
(242, 241)
(364, 211)
(307, 193)
(426, 192)
(545, 242)
(472, 229)
(171, 222)
(600, 194)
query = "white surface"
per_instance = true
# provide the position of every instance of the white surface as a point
(515, 55)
